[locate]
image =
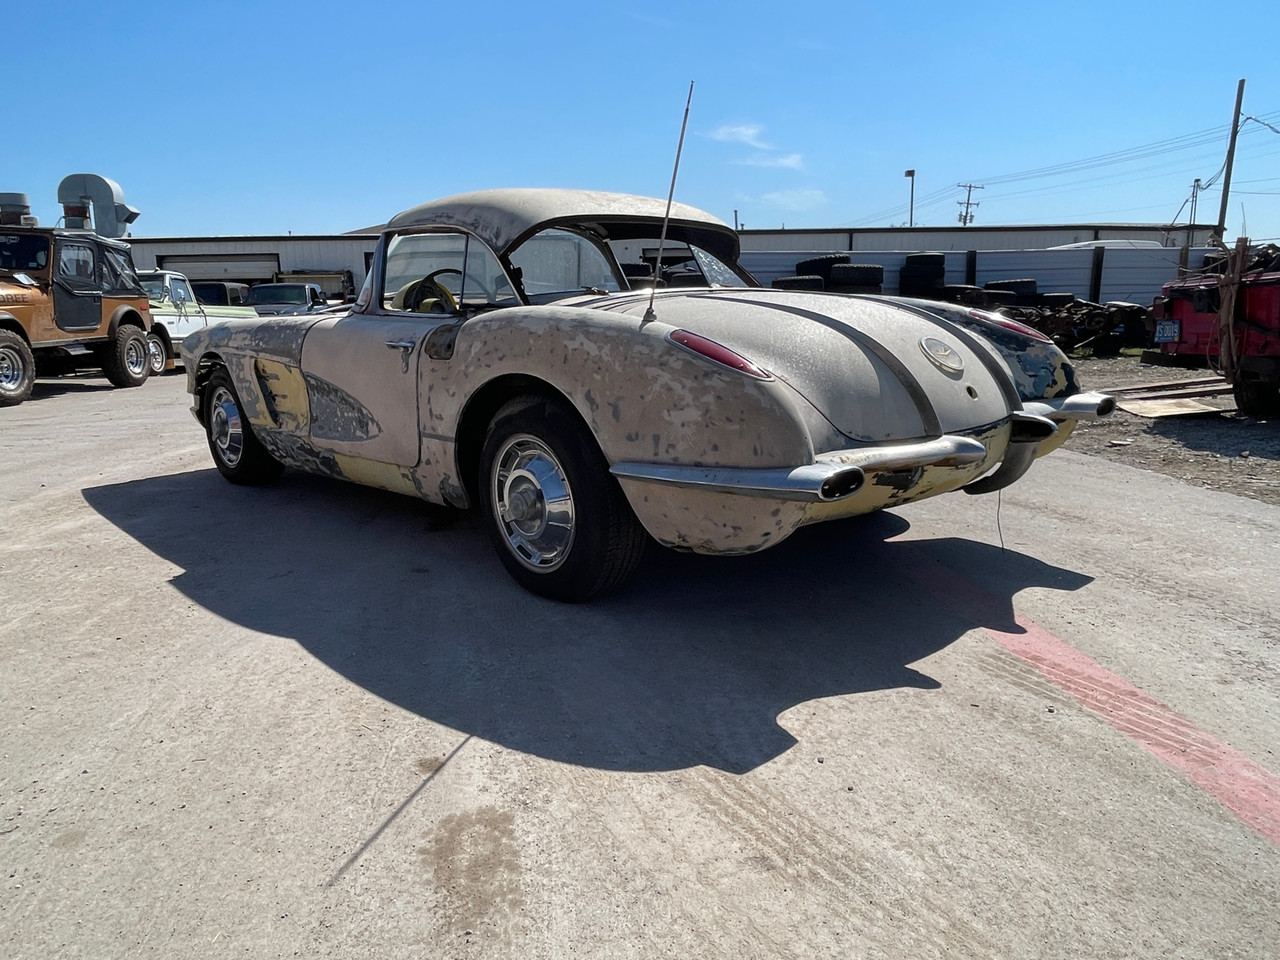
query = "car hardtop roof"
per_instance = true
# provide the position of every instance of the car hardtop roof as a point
(506, 218)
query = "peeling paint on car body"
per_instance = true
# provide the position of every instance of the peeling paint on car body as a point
(401, 400)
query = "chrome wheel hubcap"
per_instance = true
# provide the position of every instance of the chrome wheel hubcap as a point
(10, 369)
(155, 354)
(533, 503)
(136, 356)
(226, 432)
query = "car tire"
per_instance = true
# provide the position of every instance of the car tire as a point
(813, 282)
(17, 369)
(126, 359)
(856, 274)
(157, 353)
(538, 451)
(1023, 287)
(1257, 398)
(821, 266)
(237, 452)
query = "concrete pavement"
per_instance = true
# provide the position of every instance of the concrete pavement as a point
(319, 719)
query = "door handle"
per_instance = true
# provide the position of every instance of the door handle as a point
(406, 350)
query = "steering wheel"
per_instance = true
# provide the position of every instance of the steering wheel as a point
(418, 294)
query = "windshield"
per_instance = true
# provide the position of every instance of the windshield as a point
(154, 287)
(20, 252)
(277, 293)
(442, 272)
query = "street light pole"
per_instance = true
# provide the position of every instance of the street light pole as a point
(911, 215)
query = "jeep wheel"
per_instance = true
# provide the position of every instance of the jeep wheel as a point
(236, 451)
(157, 353)
(17, 369)
(126, 360)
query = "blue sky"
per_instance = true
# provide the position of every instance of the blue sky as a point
(320, 117)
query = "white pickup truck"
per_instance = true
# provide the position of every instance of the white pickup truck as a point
(175, 312)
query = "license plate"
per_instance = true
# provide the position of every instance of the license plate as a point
(1168, 331)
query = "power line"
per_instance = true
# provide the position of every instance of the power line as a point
(1210, 136)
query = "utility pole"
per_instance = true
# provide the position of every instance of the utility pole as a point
(1191, 227)
(911, 215)
(966, 217)
(1231, 157)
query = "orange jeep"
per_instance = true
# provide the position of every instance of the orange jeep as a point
(68, 299)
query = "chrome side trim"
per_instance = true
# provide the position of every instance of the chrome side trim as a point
(1080, 406)
(832, 476)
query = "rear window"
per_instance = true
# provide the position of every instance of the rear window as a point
(214, 294)
(20, 252)
(277, 293)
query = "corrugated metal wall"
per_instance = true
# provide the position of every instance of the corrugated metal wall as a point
(321, 254)
(1135, 275)
(1127, 274)
(944, 239)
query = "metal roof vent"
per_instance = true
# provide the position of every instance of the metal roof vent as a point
(111, 215)
(15, 210)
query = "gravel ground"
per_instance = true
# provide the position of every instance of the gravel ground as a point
(1224, 451)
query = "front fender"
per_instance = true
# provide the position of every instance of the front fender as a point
(243, 346)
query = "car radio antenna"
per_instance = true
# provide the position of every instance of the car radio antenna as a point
(649, 315)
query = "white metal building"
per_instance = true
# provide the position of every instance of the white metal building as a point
(254, 259)
(974, 255)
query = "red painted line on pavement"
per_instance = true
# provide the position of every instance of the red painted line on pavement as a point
(1235, 780)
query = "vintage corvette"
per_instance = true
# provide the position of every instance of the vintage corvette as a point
(509, 351)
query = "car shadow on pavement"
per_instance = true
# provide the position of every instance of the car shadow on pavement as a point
(692, 663)
(56, 386)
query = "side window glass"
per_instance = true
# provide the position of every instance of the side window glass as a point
(442, 273)
(76, 266)
(557, 263)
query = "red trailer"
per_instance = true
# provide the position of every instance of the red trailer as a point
(1240, 307)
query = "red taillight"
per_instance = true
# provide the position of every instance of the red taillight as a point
(1008, 324)
(716, 352)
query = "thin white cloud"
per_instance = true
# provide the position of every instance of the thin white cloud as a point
(791, 161)
(748, 133)
(795, 200)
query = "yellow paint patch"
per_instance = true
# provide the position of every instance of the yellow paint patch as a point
(285, 393)
(375, 473)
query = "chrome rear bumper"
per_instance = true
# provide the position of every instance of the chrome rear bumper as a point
(832, 476)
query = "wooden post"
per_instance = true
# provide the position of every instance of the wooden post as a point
(1229, 289)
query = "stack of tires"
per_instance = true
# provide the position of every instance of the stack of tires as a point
(1024, 291)
(833, 272)
(923, 275)
(856, 278)
(811, 282)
